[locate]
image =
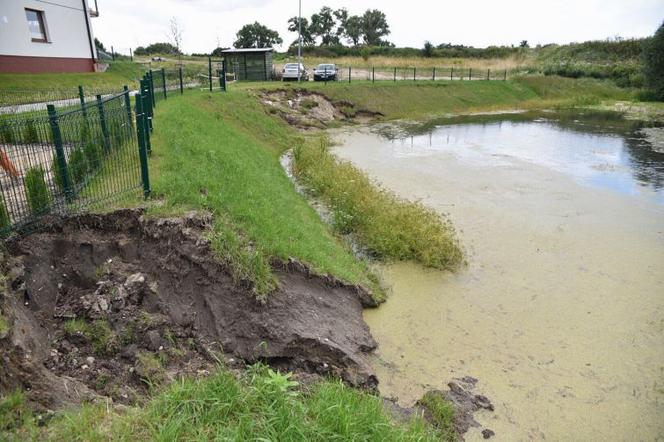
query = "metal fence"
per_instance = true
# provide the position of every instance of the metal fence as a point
(70, 160)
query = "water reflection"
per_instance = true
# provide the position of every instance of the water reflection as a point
(597, 148)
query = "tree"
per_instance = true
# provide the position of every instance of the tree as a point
(374, 27)
(653, 63)
(157, 48)
(323, 26)
(99, 45)
(354, 29)
(427, 51)
(524, 44)
(256, 35)
(307, 38)
(176, 36)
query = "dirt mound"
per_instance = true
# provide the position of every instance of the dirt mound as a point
(305, 109)
(110, 304)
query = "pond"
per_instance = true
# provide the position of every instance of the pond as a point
(559, 312)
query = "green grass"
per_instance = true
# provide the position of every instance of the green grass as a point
(117, 75)
(442, 412)
(4, 326)
(260, 405)
(221, 153)
(391, 228)
(100, 335)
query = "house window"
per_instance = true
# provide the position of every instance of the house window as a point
(36, 25)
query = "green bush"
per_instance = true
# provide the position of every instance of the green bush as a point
(78, 165)
(30, 134)
(6, 132)
(39, 200)
(653, 63)
(93, 154)
(5, 221)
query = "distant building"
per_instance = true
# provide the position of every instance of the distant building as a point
(47, 36)
(249, 63)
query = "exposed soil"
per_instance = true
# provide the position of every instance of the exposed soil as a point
(109, 304)
(307, 110)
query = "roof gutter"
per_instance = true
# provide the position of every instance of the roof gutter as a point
(87, 27)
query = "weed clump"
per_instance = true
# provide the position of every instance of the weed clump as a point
(442, 412)
(388, 226)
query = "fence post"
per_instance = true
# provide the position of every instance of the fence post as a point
(131, 55)
(102, 123)
(81, 97)
(152, 97)
(350, 73)
(470, 73)
(434, 73)
(112, 53)
(414, 74)
(181, 84)
(60, 153)
(127, 101)
(373, 74)
(452, 73)
(210, 72)
(223, 74)
(505, 77)
(395, 75)
(141, 132)
(488, 74)
(146, 113)
(163, 80)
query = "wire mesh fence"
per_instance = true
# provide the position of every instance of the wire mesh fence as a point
(68, 161)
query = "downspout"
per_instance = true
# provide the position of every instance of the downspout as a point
(87, 27)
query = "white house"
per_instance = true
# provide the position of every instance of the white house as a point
(47, 36)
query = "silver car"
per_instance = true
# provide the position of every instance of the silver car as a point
(292, 71)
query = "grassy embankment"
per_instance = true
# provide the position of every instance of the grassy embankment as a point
(259, 405)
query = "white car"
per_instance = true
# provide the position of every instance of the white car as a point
(292, 71)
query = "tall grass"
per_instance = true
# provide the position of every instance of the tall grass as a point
(391, 228)
(261, 405)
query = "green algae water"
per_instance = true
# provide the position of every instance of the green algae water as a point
(560, 310)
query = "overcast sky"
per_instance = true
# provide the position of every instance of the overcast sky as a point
(131, 23)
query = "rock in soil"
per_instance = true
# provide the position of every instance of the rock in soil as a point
(110, 304)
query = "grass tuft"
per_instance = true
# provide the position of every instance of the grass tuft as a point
(442, 412)
(389, 227)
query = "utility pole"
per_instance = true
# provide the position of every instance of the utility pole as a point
(299, 40)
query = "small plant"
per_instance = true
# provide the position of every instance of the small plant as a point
(39, 200)
(6, 132)
(93, 154)
(30, 134)
(5, 220)
(104, 341)
(4, 327)
(14, 411)
(150, 369)
(308, 103)
(78, 165)
(442, 412)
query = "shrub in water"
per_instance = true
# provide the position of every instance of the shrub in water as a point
(39, 200)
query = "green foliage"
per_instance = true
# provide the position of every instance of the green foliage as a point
(93, 154)
(653, 63)
(6, 131)
(14, 413)
(4, 326)
(30, 134)
(442, 413)
(157, 48)
(39, 199)
(256, 35)
(427, 51)
(150, 369)
(5, 220)
(98, 333)
(78, 165)
(261, 405)
(388, 226)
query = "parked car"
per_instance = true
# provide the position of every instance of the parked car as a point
(326, 72)
(291, 71)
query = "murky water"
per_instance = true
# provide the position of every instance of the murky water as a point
(560, 311)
